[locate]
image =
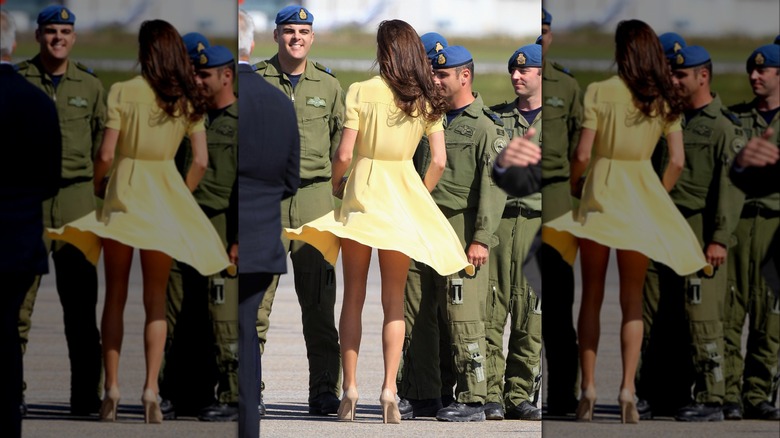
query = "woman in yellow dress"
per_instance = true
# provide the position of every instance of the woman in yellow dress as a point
(385, 203)
(623, 203)
(147, 204)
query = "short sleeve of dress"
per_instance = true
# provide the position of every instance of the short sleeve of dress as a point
(673, 126)
(352, 102)
(196, 126)
(435, 126)
(114, 116)
(590, 117)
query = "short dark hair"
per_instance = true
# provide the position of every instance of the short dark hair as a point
(467, 66)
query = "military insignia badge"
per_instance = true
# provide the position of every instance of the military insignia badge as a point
(465, 131)
(203, 59)
(677, 47)
(302, 14)
(554, 101)
(679, 60)
(520, 59)
(441, 60)
(316, 102)
(78, 102)
(499, 144)
(64, 14)
(439, 47)
(759, 59)
(737, 144)
(200, 47)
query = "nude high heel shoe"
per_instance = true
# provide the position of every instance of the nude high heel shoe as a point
(152, 412)
(390, 413)
(110, 405)
(628, 411)
(586, 405)
(348, 405)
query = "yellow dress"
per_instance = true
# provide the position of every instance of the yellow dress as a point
(385, 203)
(147, 204)
(623, 203)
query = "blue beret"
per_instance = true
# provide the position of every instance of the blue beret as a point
(527, 56)
(690, 56)
(195, 43)
(433, 42)
(538, 40)
(672, 43)
(214, 56)
(546, 17)
(767, 55)
(452, 56)
(56, 14)
(294, 15)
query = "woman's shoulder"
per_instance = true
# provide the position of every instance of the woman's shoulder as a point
(134, 88)
(371, 89)
(611, 88)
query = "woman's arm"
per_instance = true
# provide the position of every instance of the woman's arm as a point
(438, 160)
(581, 159)
(200, 159)
(674, 144)
(104, 160)
(343, 157)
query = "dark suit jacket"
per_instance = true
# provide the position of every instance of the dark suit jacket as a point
(268, 171)
(519, 181)
(29, 171)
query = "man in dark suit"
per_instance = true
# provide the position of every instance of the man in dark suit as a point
(29, 175)
(268, 171)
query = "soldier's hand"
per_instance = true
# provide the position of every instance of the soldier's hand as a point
(520, 152)
(477, 254)
(233, 253)
(758, 152)
(715, 254)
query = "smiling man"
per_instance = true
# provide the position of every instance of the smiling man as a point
(81, 106)
(319, 107)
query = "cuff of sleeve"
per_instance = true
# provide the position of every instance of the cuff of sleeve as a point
(722, 237)
(485, 238)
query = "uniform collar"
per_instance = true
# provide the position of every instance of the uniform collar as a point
(275, 69)
(713, 109)
(70, 70)
(475, 108)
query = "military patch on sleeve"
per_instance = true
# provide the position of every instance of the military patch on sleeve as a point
(499, 144)
(737, 144)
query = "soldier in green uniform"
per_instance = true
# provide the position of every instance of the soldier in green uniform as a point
(202, 311)
(472, 202)
(711, 205)
(81, 106)
(319, 105)
(562, 116)
(513, 382)
(748, 292)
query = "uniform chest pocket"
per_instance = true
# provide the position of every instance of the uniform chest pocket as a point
(76, 133)
(461, 168)
(222, 163)
(315, 134)
(699, 165)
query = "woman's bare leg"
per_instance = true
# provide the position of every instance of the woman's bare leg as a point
(117, 260)
(156, 266)
(633, 267)
(593, 259)
(355, 259)
(394, 267)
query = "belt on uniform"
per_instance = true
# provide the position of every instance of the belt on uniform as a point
(754, 210)
(308, 182)
(527, 213)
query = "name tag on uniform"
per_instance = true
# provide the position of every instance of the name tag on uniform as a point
(79, 102)
(316, 102)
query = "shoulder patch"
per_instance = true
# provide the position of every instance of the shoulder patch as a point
(499, 144)
(84, 68)
(737, 144)
(562, 68)
(499, 106)
(731, 116)
(323, 68)
(493, 116)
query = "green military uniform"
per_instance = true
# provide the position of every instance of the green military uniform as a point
(208, 322)
(472, 203)
(81, 107)
(562, 115)
(509, 291)
(319, 106)
(748, 291)
(711, 205)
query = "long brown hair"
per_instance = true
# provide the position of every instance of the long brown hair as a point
(644, 69)
(406, 69)
(165, 65)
